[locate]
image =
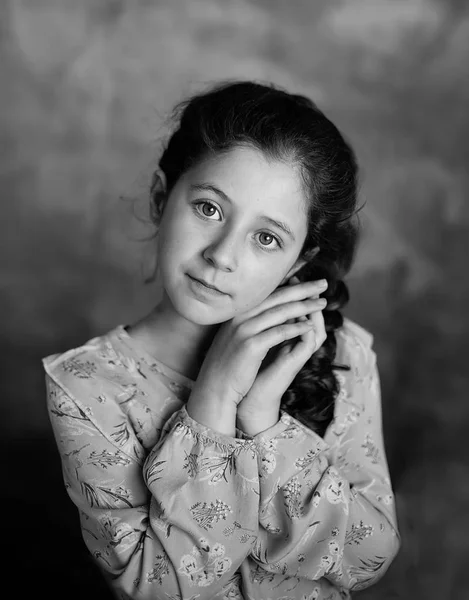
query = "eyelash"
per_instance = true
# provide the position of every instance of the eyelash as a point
(266, 248)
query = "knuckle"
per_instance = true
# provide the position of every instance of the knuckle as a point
(241, 331)
(278, 309)
(250, 344)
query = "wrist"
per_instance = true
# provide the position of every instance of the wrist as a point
(252, 425)
(213, 412)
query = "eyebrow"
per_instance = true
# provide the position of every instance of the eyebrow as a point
(207, 187)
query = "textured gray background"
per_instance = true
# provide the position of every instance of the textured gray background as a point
(86, 87)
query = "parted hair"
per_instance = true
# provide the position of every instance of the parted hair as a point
(285, 127)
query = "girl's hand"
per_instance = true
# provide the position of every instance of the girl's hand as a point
(259, 409)
(241, 344)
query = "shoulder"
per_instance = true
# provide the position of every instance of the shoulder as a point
(82, 361)
(355, 346)
(354, 401)
(91, 386)
(352, 331)
(95, 366)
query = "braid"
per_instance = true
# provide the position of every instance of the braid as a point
(311, 395)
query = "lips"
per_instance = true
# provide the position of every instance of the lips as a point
(207, 284)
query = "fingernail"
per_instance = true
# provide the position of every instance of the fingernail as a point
(322, 283)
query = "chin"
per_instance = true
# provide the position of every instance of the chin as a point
(198, 313)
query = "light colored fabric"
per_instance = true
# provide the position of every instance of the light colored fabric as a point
(171, 509)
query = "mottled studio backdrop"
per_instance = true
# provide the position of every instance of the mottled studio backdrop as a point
(86, 86)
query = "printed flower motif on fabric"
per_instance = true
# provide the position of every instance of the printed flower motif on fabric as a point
(335, 489)
(387, 499)
(191, 464)
(205, 514)
(268, 445)
(259, 575)
(372, 450)
(152, 473)
(107, 459)
(123, 437)
(119, 534)
(342, 464)
(205, 564)
(307, 461)
(357, 533)
(160, 569)
(67, 409)
(292, 498)
(82, 370)
(362, 577)
(155, 369)
(232, 588)
(268, 462)
(331, 563)
(129, 392)
(216, 467)
(266, 451)
(158, 518)
(245, 534)
(272, 528)
(292, 431)
(105, 495)
(347, 414)
(117, 359)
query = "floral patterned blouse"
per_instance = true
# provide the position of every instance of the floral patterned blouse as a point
(171, 509)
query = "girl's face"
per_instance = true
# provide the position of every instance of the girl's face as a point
(216, 227)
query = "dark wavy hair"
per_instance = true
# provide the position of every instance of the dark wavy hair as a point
(285, 127)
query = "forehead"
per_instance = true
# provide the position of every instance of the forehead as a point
(255, 182)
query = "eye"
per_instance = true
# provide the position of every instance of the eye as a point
(201, 211)
(272, 237)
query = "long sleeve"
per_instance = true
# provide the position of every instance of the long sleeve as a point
(176, 524)
(326, 505)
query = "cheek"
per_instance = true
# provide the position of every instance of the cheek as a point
(254, 290)
(176, 241)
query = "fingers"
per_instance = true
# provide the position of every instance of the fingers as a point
(276, 335)
(293, 291)
(295, 281)
(316, 336)
(313, 338)
(280, 315)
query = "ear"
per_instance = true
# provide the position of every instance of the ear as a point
(299, 264)
(159, 195)
(159, 181)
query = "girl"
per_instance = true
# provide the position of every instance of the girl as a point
(229, 444)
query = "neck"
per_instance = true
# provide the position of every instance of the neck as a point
(175, 341)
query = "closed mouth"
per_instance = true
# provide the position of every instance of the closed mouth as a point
(206, 284)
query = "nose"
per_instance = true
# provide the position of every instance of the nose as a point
(221, 253)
